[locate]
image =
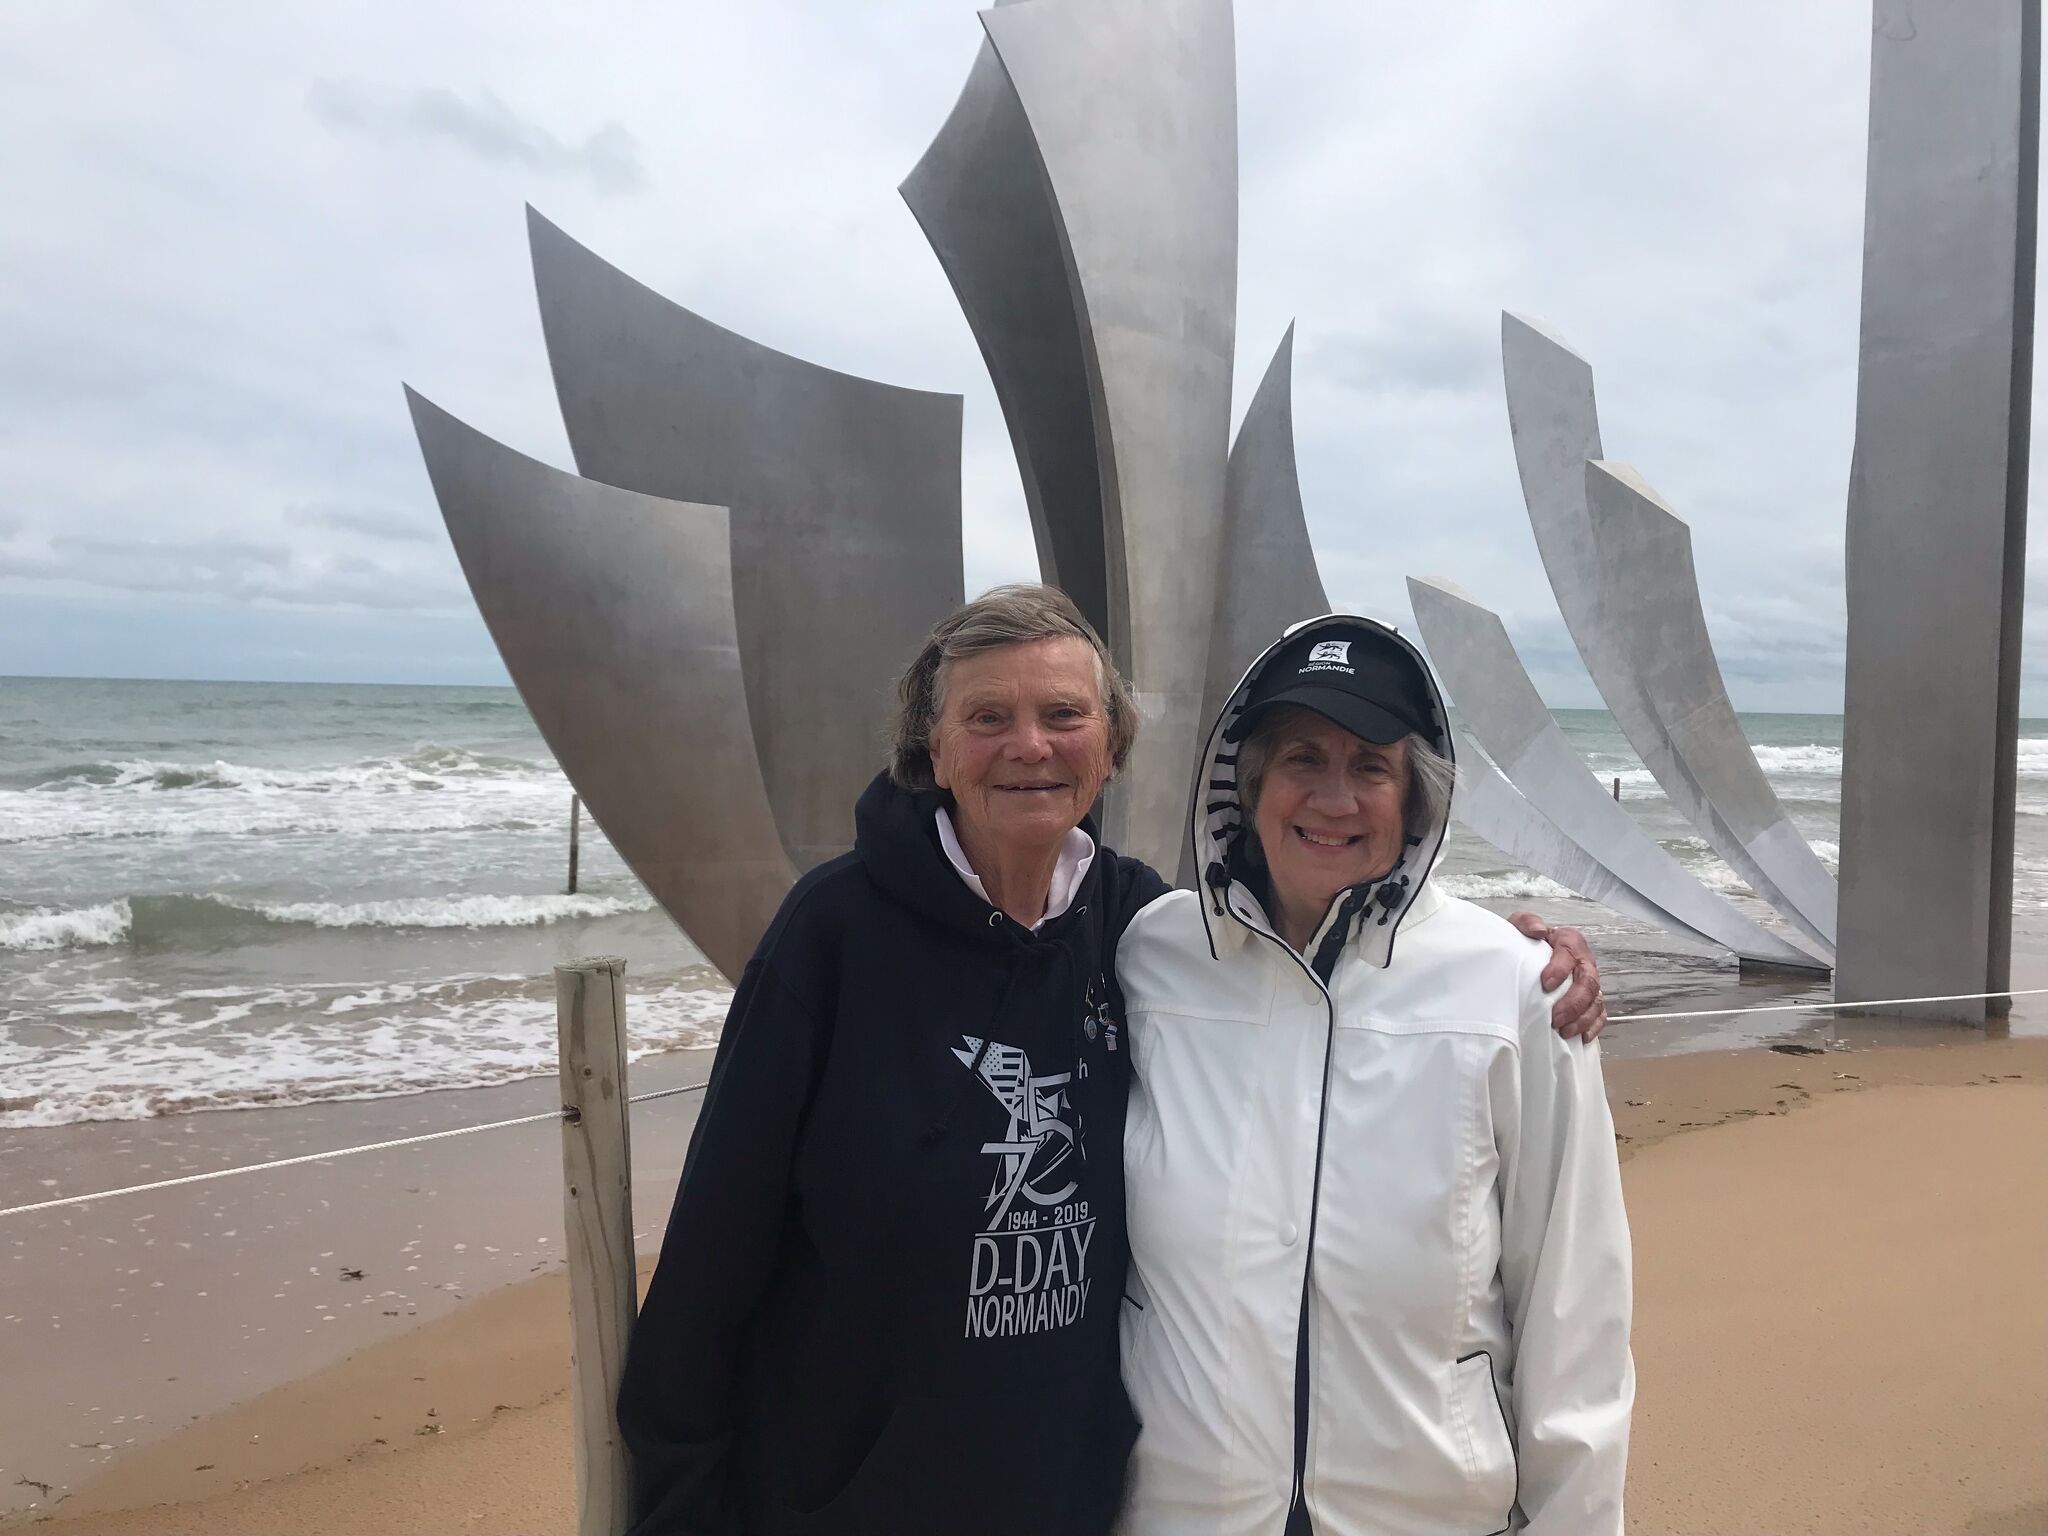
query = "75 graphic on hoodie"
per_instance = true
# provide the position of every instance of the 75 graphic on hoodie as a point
(1030, 1266)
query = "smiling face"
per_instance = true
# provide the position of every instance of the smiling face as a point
(1329, 815)
(1022, 742)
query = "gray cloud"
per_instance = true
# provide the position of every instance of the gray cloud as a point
(234, 569)
(609, 158)
(249, 227)
(416, 527)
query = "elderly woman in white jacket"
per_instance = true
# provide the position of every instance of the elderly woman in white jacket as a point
(1380, 1266)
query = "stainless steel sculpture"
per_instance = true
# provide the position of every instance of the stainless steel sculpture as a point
(1083, 200)
(1711, 774)
(1266, 571)
(1500, 814)
(1268, 580)
(1501, 706)
(614, 612)
(1267, 577)
(1132, 107)
(845, 498)
(1937, 503)
(1654, 604)
(981, 198)
(763, 541)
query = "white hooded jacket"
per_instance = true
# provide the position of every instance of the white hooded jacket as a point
(1406, 1167)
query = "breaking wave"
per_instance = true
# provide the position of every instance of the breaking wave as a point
(185, 1053)
(430, 789)
(166, 920)
(58, 928)
(449, 911)
(1810, 758)
(426, 767)
(1501, 887)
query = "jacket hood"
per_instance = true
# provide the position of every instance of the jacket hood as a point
(1371, 912)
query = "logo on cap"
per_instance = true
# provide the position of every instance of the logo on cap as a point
(1338, 651)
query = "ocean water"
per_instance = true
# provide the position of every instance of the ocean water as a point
(1801, 755)
(216, 895)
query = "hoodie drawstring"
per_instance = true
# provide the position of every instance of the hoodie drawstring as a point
(1217, 878)
(1390, 895)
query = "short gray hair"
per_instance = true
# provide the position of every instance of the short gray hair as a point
(1007, 615)
(1426, 806)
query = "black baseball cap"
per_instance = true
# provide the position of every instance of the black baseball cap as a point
(1362, 679)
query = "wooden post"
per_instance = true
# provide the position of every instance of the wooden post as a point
(597, 1167)
(572, 856)
(575, 836)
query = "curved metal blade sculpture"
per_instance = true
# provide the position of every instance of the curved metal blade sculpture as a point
(1131, 111)
(706, 626)
(614, 613)
(1497, 812)
(1500, 704)
(1711, 775)
(837, 545)
(981, 199)
(845, 498)
(1266, 573)
(1267, 578)
(1662, 623)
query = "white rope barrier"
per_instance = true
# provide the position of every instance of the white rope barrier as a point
(663, 1093)
(1813, 1007)
(321, 1157)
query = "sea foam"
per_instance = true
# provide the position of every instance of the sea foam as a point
(62, 928)
(168, 918)
(449, 911)
(1811, 758)
(1501, 887)
(374, 1043)
(432, 789)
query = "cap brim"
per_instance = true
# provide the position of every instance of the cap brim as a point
(1361, 717)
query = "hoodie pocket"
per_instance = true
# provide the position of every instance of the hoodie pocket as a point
(881, 1475)
(1489, 1448)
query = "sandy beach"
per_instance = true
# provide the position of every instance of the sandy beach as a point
(124, 1320)
(1838, 1321)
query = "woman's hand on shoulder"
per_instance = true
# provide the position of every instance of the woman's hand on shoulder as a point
(1581, 1013)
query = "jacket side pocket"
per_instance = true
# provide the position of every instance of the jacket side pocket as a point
(1132, 1316)
(1491, 1448)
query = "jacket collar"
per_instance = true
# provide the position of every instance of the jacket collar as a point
(1229, 937)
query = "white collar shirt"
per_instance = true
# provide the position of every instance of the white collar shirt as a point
(1076, 854)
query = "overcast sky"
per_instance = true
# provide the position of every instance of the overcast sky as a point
(232, 229)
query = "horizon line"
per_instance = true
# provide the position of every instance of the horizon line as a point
(507, 687)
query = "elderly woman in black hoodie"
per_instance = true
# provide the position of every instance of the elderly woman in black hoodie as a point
(887, 1298)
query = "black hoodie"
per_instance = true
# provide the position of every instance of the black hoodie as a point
(887, 1299)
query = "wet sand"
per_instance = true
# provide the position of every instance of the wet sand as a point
(122, 1321)
(1839, 1321)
